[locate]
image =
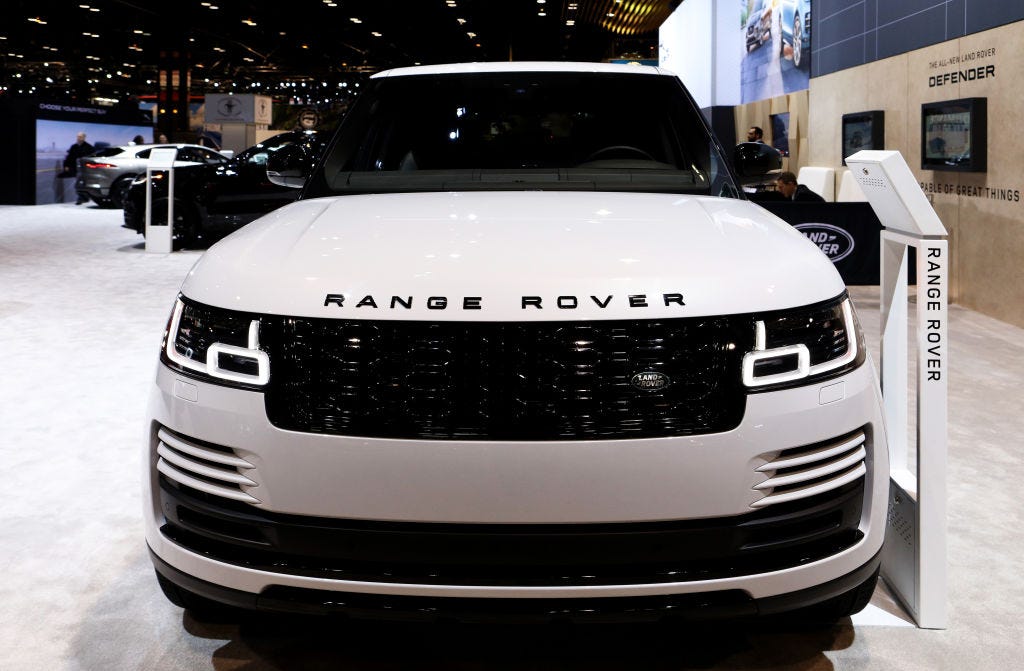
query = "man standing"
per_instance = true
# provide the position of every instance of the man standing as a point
(755, 134)
(78, 150)
(786, 185)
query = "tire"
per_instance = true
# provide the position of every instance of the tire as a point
(844, 605)
(798, 42)
(118, 191)
(199, 606)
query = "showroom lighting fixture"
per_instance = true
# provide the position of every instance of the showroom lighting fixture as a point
(36, 19)
(376, 34)
(471, 35)
(355, 20)
(462, 22)
(249, 22)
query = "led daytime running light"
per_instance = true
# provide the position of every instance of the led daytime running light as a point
(212, 365)
(803, 369)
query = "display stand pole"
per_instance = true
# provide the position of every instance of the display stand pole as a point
(159, 238)
(914, 555)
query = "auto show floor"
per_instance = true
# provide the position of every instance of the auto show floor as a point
(82, 310)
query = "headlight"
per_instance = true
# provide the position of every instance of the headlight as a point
(798, 346)
(213, 343)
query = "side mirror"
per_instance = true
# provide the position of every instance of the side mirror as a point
(289, 166)
(754, 160)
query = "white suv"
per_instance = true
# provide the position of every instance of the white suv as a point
(521, 349)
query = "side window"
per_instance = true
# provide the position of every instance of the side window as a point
(143, 154)
(211, 156)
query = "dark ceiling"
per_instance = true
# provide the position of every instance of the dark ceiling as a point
(112, 48)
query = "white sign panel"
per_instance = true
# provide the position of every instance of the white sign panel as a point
(894, 193)
(242, 108)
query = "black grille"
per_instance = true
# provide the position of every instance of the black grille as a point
(502, 381)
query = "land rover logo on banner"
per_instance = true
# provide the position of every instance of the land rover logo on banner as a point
(834, 241)
(650, 381)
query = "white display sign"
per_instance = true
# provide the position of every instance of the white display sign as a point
(160, 239)
(894, 193)
(914, 555)
(242, 108)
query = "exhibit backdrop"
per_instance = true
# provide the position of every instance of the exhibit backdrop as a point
(982, 210)
(760, 49)
(848, 33)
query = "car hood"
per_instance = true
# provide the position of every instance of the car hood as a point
(489, 256)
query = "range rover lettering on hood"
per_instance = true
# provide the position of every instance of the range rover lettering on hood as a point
(477, 302)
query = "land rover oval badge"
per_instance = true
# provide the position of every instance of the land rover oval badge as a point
(650, 381)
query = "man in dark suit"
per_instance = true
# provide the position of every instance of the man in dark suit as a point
(78, 150)
(786, 185)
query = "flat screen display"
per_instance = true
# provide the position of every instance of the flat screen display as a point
(954, 135)
(863, 130)
(54, 138)
(948, 136)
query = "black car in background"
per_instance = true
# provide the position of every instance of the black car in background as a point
(212, 200)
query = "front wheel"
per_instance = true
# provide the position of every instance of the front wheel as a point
(119, 190)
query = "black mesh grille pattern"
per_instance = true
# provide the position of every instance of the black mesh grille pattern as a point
(505, 381)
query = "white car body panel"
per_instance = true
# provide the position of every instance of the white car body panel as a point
(501, 246)
(813, 438)
(521, 482)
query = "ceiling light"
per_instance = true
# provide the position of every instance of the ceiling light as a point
(471, 35)
(570, 22)
(249, 22)
(376, 34)
(36, 19)
(610, 15)
(94, 9)
(355, 20)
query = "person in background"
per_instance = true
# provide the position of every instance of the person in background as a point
(78, 150)
(137, 140)
(786, 185)
(755, 134)
(162, 139)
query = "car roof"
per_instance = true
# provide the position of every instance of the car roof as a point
(520, 66)
(176, 145)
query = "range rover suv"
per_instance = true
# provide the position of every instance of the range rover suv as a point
(520, 350)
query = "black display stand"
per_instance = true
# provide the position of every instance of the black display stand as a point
(861, 265)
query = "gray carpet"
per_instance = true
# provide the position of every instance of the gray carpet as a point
(82, 308)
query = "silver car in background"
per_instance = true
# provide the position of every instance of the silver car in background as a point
(105, 176)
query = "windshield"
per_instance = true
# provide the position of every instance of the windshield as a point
(523, 130)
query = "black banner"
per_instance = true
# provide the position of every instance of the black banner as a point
(848, 233)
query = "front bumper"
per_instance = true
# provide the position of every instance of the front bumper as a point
(666, 485)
